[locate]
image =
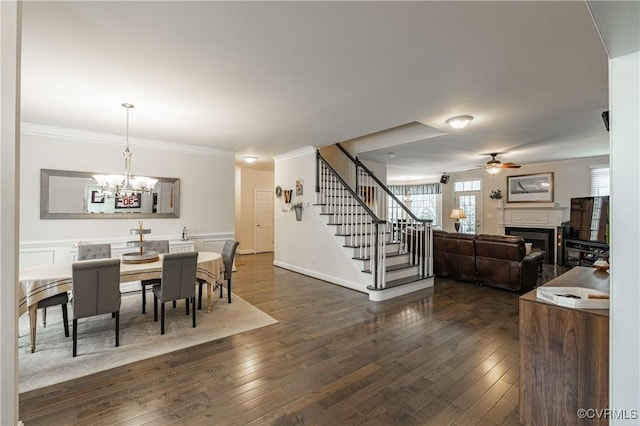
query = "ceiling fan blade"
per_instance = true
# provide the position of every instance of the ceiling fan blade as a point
(511, 166)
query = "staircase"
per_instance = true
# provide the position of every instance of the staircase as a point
(395, 253)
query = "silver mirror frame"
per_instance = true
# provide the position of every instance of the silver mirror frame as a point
(45, 174)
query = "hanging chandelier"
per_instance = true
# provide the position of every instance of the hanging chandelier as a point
(114, 186)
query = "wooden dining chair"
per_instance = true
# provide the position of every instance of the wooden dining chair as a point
(177, 282)
(96, 291)
(159, 246)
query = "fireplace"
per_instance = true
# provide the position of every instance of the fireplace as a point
(540, 238)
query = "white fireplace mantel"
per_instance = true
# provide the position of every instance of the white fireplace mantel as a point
(532, 215)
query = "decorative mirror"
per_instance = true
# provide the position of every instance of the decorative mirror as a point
(76, 195)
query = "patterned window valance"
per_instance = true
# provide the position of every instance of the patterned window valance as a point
(425, 188)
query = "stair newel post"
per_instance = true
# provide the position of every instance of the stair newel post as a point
(375, 257)
(430, 248)
(383, 254)
(421, 234)
(425, 249)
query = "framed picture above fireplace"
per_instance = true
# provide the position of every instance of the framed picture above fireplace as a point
(533, 188)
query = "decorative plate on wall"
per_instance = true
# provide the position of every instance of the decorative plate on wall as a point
(278, 191)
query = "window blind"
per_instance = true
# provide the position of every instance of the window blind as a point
(599, 181)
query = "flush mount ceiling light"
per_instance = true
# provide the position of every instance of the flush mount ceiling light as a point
(459, 122)
(250, 158)
(113, 186)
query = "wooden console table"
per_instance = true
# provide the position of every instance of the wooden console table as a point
(564, 355)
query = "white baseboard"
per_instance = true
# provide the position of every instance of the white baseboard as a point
(390, 293)
(324, 277)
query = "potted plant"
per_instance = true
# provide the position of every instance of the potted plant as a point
(496, 194)
(297, 207)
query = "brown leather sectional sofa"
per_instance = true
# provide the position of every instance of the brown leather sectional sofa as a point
(494, 260)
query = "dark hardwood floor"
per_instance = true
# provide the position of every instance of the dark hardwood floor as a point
(448, 355)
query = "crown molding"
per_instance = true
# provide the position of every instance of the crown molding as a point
(295, 153)
(109, 139)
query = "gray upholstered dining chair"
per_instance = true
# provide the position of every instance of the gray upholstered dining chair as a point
(94, 251)
(96, 291)
(177, 282)
(160, 246)
(85, 252)
(228, 254)
(59, 299)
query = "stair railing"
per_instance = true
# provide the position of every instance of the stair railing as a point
(363, 229)
(414, 235)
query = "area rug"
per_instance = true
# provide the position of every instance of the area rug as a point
(140, 338)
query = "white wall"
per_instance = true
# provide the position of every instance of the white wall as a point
(249, 180)
(309, 246)
(206, 187)
(572, 178)
(624, 103)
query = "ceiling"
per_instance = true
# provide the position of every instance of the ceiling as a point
(265, 78)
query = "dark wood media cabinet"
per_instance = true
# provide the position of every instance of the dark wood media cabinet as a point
(564, 355)
(583, 253)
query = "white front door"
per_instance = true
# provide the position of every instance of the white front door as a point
(263, 207)
(470, 202)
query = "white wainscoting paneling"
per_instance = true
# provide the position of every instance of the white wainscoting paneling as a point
(34, 257)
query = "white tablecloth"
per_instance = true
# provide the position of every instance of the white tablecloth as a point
(39, 282)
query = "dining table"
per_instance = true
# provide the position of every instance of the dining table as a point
(40, 282)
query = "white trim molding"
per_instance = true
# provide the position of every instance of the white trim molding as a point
(532, 215)
(295, 153)
(109, 139)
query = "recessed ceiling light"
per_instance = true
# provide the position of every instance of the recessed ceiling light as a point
(250, 158)
(459, 122)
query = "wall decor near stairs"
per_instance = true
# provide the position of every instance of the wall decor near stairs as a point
(395, 251)
(287, 196)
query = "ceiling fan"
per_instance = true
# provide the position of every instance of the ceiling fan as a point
(494, 166)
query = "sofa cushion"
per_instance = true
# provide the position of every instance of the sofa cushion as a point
(505, 247)
(461, 256)
(501, 262)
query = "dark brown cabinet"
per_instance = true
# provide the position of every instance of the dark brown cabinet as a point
(583, 253)
(564, 356)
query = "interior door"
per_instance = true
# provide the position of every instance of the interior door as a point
(263, 207)
(470, 202)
